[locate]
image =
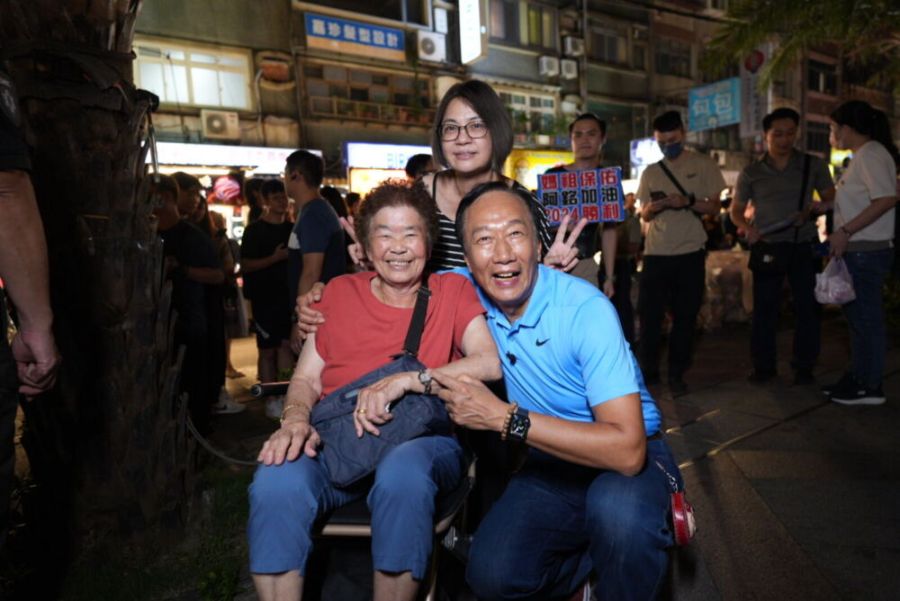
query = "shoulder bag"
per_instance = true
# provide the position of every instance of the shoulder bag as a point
(349, 459)
(769, 257)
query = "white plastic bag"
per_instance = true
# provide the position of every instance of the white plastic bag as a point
(834, 286)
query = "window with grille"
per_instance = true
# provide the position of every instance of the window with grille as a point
(523, 23)
(817, 137)
(531, 113)
(334, 90)
(190, 75)
(673, 57)
(821, 77)
(609, 46)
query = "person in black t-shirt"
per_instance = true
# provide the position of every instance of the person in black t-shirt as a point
(264, 263)
(192, 266)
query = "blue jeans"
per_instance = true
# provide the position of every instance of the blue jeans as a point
(556, 521)
(865, 315)
(286, 500)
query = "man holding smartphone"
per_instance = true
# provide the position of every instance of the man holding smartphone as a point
(674, 193)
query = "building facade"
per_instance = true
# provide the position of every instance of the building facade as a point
(291, 73)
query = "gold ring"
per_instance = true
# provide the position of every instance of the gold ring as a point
(361, 410)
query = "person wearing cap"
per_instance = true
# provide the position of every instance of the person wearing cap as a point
(674, 193)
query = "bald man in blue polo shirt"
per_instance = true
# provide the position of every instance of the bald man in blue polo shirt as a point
(593, 493)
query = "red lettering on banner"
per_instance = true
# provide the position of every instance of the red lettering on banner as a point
(549, 181)
(588, 179)
(611, 212)
(608, 177)
(568, 180)
(591, 213)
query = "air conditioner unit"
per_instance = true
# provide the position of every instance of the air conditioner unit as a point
(220, 125)
(432, 46)
(548, 66)
(573, 46)
(568, 68)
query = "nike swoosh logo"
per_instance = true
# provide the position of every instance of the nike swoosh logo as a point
(541, 342)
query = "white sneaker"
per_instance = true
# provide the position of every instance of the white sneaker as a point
(227, 404)
(274, 407)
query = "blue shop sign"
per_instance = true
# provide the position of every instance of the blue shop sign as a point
(715, 105)
(354, 37)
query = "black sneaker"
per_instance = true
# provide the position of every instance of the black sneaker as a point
(866, 396)
(845, 385)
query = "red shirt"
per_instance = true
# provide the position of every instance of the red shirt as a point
(361, 333)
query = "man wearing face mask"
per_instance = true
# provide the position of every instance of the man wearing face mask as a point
(674, 193)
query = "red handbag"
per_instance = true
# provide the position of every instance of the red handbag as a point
(681, 512)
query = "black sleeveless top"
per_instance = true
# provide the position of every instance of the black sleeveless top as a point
(447, 252)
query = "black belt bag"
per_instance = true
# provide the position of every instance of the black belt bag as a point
(350, 459)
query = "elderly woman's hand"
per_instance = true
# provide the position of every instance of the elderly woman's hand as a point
(373, 403)
(563, 254)
(296, 435)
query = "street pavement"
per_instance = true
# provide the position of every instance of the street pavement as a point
(795, 497)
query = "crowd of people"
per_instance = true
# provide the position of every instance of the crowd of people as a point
(581, 404)
(333, 282)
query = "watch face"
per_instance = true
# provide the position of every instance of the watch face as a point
(424, 377)
(518, 426)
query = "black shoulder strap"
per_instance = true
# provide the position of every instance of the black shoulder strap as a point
(434, 186)
(677, 183)
(801, 201)
(414, 334)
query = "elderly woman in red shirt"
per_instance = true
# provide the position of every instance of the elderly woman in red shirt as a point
(367, 315)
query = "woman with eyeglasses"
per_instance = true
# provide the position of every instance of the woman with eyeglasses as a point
(472, 137)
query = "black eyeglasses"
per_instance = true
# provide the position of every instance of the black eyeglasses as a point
(474, 129)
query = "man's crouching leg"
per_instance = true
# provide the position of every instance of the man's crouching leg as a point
(627, 522)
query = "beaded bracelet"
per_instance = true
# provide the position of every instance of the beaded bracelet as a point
(513, 407)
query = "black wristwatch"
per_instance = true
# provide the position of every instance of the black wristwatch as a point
(425, 380)
(518, 425)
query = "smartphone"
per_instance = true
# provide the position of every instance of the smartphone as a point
(654, 196)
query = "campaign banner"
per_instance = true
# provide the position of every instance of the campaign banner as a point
(595, 194)
(354, 37)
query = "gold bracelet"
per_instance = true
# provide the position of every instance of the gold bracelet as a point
(292, 406)
(512, 409)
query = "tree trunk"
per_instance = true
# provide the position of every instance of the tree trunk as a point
(109, 445)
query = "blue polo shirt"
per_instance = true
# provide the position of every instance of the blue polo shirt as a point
(566, 354)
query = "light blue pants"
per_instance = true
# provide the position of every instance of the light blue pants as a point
(286, 500)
